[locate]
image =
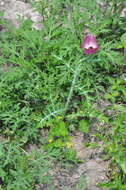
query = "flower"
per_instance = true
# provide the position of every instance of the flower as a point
(50, 140)
(69, 144)
(89, 44)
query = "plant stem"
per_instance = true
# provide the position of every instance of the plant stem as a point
(72, 87)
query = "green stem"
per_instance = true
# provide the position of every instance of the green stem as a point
(72, 87)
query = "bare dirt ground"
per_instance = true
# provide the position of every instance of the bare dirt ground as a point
(93, 168)
(15, 10)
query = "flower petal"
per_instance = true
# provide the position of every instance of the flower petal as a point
(89, 44)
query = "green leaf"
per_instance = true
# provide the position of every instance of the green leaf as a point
(122, 163)
(123, 40)
(62, 129)
(84, 126)
(115, 93)
(108, 96)
(2, 173)
(59, 129)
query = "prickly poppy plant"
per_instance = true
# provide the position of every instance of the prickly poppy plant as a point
(89, 44)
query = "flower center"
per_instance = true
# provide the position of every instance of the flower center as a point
(90, 47)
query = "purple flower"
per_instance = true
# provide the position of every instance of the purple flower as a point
(89, 44)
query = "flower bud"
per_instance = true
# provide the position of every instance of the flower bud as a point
(89, 44)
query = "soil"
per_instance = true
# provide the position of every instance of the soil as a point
(93, 166)
(15, 10)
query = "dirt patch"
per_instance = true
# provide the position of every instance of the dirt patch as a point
(93, 167)
(82, 176)
(15, 10)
